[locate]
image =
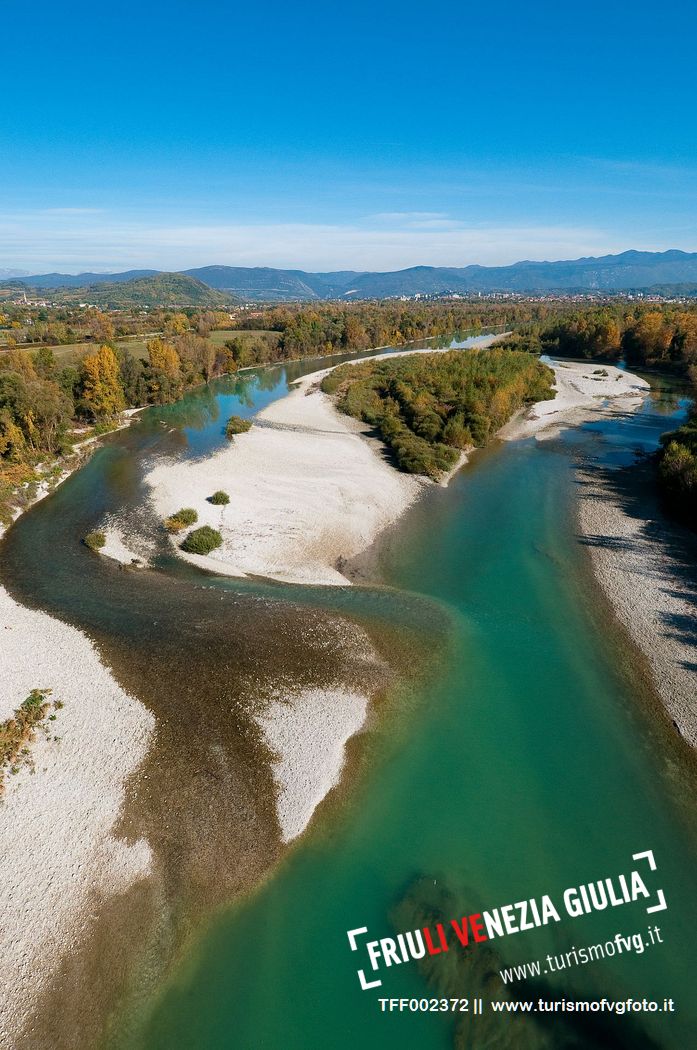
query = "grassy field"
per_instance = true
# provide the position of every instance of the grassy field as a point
(71, 353)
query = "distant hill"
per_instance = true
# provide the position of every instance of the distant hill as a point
(162, 289)
(669, 291)
(81, 280)
(265, 282)
(630, 271)
(611, 273)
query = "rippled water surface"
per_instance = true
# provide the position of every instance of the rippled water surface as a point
(531, 760)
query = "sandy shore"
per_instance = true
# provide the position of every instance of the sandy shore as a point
(647, 567)
(58, 854)
(639, 558)
(123, 546)
(581, 391)
(306, 488)
(308, 491)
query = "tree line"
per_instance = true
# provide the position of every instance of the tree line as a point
(654, 336)
(677, 471)
(428, 409)
(42, 403)
(60, 326)
(331, 328)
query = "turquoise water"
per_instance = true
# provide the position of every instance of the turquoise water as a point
(529, 766)
(529, 763)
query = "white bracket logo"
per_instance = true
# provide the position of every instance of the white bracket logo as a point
(352, 934)
(647, 855)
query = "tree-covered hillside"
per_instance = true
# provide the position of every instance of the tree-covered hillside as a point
(164, 289)
(161, 290)
(629, 271)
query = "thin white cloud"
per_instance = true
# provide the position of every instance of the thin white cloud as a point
(406, 216)
(81, 241)
(72, 211)
(415, 220)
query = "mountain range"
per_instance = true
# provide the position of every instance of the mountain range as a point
(629, 271)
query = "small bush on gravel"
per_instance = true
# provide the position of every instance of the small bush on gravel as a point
(219, 498)
(94, 540)
(202, 541)
(180, 520)
(237, 425)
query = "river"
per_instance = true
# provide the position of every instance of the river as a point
(531, 760)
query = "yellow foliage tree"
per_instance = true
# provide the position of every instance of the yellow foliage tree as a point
(177, 324)
(101, 327)
(18, 361)
(102, 392)
(163, 356)
(11, 437)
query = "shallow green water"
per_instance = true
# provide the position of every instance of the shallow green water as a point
(529, 764)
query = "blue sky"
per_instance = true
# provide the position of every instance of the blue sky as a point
(329, 136)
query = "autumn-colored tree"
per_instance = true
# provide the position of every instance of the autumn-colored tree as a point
(11, 437)
(685, 339)
(100, 327)
(355, 335)
(648, 341)
(102, 393)
(18, 361)
(164, 357)
(197, 355)
(177, 324)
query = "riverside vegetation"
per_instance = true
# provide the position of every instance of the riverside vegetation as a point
(202, 540)
(678, 471)
(181, 520)
(430, 408)
(219, 498)
(661, 337)
(647, 336)
(17, 733)
(46, 404)
(237, 425)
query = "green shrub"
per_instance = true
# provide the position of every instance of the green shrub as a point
(202, 541)
(237, 425)
(184, 517)
(19, 730)
(219, 498)
(94, 540)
